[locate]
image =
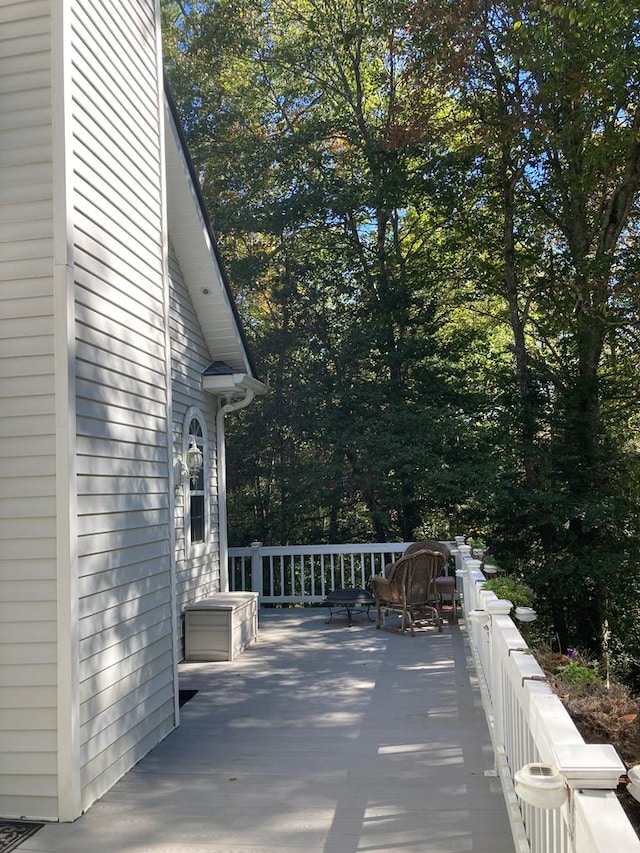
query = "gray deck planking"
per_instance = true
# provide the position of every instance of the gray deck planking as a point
(319, 738)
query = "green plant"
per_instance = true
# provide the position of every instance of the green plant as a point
(511, 588)
(578, 673)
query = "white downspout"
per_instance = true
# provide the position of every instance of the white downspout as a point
(221, 466)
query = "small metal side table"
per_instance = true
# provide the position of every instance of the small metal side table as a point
(349, 601)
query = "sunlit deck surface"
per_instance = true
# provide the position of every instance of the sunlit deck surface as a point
(319, 738)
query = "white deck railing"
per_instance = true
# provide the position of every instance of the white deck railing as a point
(529, 724)
(305, 574)
(527, 721)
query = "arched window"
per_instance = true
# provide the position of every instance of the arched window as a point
(196, 503)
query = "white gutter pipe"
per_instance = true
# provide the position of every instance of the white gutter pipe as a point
(237, 390)
(221, 465)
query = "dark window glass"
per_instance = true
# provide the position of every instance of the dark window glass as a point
(197, 490)
(197, 518)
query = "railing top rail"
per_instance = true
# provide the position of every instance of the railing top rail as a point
(310, 550)
(344, 548)
(548, 718)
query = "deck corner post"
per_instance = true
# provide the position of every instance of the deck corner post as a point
(256, 569)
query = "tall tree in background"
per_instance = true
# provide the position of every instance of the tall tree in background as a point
(299, 122)
(554, 91)
(430, 212)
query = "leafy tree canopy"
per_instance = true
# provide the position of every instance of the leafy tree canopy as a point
(429, 210)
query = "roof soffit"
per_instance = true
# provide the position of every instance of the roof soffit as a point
(194, 245)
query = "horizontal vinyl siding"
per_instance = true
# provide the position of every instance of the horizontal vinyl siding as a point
(28, 695)
(126, 666)
(198, 572)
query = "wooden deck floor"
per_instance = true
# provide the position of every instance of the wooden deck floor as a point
(319, 738)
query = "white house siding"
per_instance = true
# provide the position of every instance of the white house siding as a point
(28, 714)
(198, 571)
(126, 664)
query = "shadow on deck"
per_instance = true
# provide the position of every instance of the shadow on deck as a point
(319, 738)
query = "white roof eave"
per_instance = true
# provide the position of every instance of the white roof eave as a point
(197, 254)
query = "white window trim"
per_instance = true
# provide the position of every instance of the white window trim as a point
(197, 548)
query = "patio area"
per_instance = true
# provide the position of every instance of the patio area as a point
(319, 738)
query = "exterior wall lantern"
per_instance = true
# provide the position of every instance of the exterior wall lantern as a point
(194, 461)
(188, 466)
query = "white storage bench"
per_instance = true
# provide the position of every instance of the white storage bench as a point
(221, 627)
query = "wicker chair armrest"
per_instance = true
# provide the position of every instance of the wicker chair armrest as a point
(385, 589)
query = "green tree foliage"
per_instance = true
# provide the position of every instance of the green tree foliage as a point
(430, 213)
(553, 91)
(316, 184)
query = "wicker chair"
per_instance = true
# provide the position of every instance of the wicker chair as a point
(410, 590)
(445, 584)
(429, 545)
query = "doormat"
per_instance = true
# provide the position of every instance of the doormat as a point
(14, 832)
(183, 698)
